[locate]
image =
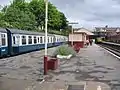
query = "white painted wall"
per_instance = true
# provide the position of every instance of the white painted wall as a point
(76, 37)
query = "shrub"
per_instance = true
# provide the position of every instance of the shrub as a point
(64, 50)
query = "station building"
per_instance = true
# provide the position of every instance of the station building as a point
(80, 37)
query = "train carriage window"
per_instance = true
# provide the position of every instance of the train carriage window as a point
(38, 39)
(48, 39)
(3, 39)
(35, 40)
(23, 40)
(41, 40)
(44, 39)
(51, 39)
(60, 39)
(13, 39)
(56, 39)
(29, 39)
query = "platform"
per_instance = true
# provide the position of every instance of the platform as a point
(92, 67)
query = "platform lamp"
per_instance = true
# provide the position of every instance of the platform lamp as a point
(71, 23)
(46, 40)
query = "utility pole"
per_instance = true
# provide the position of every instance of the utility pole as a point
(46, 40)
(71, 23)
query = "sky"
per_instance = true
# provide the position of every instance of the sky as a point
(88, 13)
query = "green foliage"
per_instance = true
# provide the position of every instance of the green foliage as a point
(64, 50)
(37, 7)
(19, 16)
(31, 16)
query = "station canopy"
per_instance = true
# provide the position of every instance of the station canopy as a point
(83, 30)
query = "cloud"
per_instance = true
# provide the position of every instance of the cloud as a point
(90, 13)
(5, 2)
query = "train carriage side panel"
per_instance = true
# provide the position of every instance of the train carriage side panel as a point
(21, 41)
(56, 43)
(36, 44)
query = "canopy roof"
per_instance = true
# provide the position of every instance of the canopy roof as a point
(83, 30)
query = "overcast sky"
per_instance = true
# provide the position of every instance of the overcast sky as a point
(88, 13)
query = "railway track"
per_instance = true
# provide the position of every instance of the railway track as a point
(114, 48)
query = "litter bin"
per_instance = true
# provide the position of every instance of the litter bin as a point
(76, 48)
(52, 64)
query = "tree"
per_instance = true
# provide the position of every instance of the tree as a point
(31, 16)
(37, 7)
(56, 19)
(19, 16)
(64, 24)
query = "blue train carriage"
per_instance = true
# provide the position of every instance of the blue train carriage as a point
(21, 41)
(65, 39)
(59, 40)
(3, 42)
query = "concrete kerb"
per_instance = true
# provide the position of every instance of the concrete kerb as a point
(63, 85)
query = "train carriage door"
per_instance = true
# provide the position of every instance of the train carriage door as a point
(15, 43)
(4, 46)
(9, 38)
(0, 39)
(0, 44)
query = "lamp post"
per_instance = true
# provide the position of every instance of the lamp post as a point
(46, 40)
(71, 23)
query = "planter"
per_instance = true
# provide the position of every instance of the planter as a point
(64, 57)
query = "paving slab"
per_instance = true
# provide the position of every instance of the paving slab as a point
(82, 85)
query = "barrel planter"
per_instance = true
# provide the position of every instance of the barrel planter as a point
(64, 57)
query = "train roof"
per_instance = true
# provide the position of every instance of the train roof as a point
(17, 31)
(3, 30)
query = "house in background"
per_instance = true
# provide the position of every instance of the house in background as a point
(106, 31)
(79, 37)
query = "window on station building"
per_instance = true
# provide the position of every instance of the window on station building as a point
(23, 40)
(29, 39)
(3, 39)
(41, 40)
(35, 40)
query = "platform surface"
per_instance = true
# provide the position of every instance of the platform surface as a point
(93, 67)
